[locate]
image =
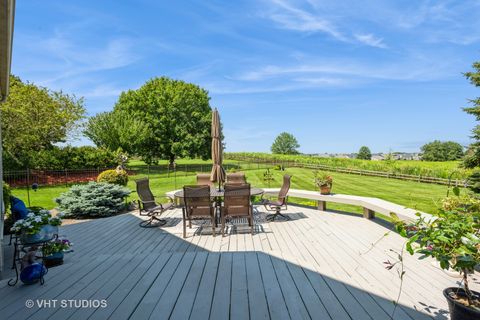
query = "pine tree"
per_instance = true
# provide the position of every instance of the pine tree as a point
(472, 158)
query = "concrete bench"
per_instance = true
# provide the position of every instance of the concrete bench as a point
(369, 205)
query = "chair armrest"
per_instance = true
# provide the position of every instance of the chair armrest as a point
(153, 201)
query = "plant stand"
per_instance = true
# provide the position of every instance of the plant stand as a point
(19, 248)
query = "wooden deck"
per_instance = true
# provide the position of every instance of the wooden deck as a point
(319, 265)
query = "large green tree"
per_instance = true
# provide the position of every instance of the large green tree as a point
(163, 119)
(442, 151)
(117, 130)
(472, 157)
(35, 118)
(364, 153)
(285, 143)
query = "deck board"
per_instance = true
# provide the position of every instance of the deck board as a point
(318, 265)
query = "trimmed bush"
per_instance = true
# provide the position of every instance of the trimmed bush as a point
(93, 200)
(68, 157)
(114, 176)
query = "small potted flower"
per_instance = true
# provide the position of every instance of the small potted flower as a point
(37, 227)
(452, 237)
(53, 252)
(324, 181)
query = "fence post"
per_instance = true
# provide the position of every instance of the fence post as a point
(175, 176)
(66, 178)
(28, 186)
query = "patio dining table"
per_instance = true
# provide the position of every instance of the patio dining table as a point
(216, 193)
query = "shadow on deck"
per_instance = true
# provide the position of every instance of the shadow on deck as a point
(287, 270)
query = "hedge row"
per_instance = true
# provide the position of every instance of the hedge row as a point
(59, 158)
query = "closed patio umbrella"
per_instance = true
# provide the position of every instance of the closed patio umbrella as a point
(218, 173)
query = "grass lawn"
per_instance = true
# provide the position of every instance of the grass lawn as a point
(420, 196)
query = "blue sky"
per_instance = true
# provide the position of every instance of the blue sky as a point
(336, 74)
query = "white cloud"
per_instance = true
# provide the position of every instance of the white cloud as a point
(342, 72)
(370, 40)
(289, 17)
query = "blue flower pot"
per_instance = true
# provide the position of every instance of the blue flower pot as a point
(55, 259)
(46, 232)
(32, 273)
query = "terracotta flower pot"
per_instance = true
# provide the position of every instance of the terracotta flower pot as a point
(325, 189)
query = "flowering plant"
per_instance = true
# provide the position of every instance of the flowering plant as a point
(452, 237)
(322, 179)
(55, 246)
(34, 222)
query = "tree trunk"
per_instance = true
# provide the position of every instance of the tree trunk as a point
(467, 288)
(171, 164)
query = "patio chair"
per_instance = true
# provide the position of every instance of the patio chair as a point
(236, 178)
(203, 179)
(237, 204)
(280, 203)
(198, 205)
(147, 206)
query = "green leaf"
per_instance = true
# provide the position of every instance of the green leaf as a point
(456, 191)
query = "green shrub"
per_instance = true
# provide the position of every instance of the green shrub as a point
(93, 200)
(68, 157)
(119, 177)
(474, 181)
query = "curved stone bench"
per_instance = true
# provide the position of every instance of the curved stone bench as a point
(369, 205)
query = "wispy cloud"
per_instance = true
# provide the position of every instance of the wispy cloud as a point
(289, 17)
(370, 40)
(342, 73)
(73, 59)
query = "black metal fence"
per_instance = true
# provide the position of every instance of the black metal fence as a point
(28, 177)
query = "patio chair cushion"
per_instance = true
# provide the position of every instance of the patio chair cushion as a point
(19, 209)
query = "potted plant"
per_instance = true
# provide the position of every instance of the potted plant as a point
(324, 181)
(452, 237)
(53, 252)
(37, 227)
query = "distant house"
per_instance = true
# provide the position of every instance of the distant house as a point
(407, 156)
(323, 155)
(378, 157)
